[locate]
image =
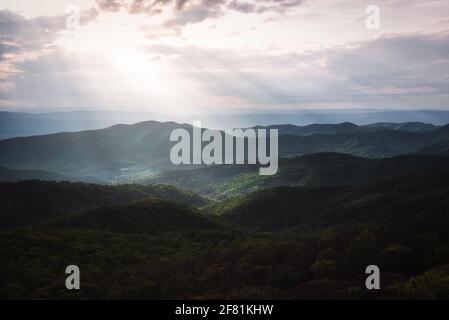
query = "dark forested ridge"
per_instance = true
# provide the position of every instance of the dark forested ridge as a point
(321, 169)
(145, 216)
(441, 148)
(30, 202)
(405, 200)
(280, 243)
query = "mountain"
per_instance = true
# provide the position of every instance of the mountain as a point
(103, 154)
(321, 169)
(14, 175)
(123, 152)
(314, 128)
(348, 127)
(145, 216)
(406, 126)
(30, 202)
(413, 200)
(371, 144)
(15, 124)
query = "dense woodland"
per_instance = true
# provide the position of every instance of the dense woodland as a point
(284, 242)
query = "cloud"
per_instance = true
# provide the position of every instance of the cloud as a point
(180, 13)
(394, 70)
(395, 65)
(28, 33)
(194, 14)
(23, 39)
(195, 11)
(264, 6)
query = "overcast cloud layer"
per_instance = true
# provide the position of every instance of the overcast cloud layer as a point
(193, 55)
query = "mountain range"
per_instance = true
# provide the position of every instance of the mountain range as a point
(126, 152)
(345, 196)
(16, 124)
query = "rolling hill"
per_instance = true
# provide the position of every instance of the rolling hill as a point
(315, 242)
(14, 175)
(145, 216)
(409, 201)
(370, 144)
(100, 153)
(30, 202)
(441, 148)
(321, 169)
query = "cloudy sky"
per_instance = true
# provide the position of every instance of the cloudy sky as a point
(175, 56)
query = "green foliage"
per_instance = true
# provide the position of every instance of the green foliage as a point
(135, 242)
(31, 202)
(434, 284)
(325, 269)
(321, 169)
(409, 201)
(146, 216)
(397, 258)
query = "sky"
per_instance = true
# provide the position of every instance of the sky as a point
(187, 56)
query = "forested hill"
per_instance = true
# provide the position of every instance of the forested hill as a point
(31, 202)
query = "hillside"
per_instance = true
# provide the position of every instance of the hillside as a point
(318, 241)
(221, 182)
(14, 175)
(103, 154)
(441, 148)
(145, 216)
(370, 144)
(413, 200)
(32, 202)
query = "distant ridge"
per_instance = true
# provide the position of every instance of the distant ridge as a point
(122, 153)
(14, 124)
(406, 126)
